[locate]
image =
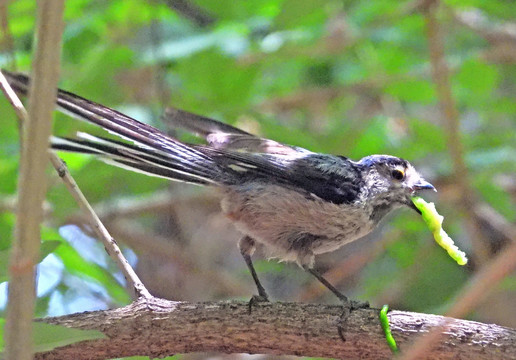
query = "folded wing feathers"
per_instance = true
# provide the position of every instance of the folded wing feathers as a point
(224, 136)
(197, 124)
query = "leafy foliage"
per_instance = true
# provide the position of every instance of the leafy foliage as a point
(48, 337)
(346, 77)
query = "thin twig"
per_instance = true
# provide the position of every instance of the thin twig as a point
(15, 101)
(191, 11)
(450, 114)
(188, 265)
(487, 215)
(100, 230)
(32, 182)
(112, 248)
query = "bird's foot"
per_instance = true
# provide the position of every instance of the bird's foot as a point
(357, 305)
(255, 300)
(348, 307)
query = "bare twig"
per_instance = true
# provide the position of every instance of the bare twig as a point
(496, 221)
(447, 105)
(31, 183)
(476, 20)
(191, 11)
(100, 230)
(158, 328)
(156, 246)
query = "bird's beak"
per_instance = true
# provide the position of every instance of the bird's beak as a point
(420, 185)
(423, 185)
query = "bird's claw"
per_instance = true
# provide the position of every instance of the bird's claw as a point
(256, 299)
(357, 305)
(349, 307)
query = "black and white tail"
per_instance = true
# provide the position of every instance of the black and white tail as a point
(137, 158)
(231, 157)
(153, 153)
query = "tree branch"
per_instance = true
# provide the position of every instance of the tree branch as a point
(32, 181)
(156, 328)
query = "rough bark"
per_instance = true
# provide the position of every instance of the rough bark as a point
(157, 328)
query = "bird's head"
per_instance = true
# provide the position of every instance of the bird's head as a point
(391, 182)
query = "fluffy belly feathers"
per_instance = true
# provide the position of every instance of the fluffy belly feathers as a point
(294, 226)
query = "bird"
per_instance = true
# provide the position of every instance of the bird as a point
(293, 202)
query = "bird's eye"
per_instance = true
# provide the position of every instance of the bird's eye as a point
(398, 174)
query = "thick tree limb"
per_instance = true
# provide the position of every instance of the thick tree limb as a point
(156, 327)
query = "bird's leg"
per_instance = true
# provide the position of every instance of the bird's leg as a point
(349, 305)
(261, 290)
(247, 247)
(352, 304)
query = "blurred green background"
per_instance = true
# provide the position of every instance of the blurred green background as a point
(344, 77)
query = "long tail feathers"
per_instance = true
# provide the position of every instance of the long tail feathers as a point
(135, 158)
(109, 119)
(232, 154)
(154, 152)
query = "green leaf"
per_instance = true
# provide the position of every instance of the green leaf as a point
(230, 10)
(4, 263)
(7, 221)
(373, 140)
(426, 137)
(46, 248)
(78, 266)
(478, 77)
(8, 173)
(413, 91)
(300, 12)
(75, 162)
(2, 324)
(214, 92)
(48, 337)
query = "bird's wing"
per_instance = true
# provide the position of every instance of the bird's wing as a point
(239, 158)
(223, 136)
(332, 178)
(109, 119)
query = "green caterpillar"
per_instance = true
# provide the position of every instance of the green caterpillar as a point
(434, 222)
